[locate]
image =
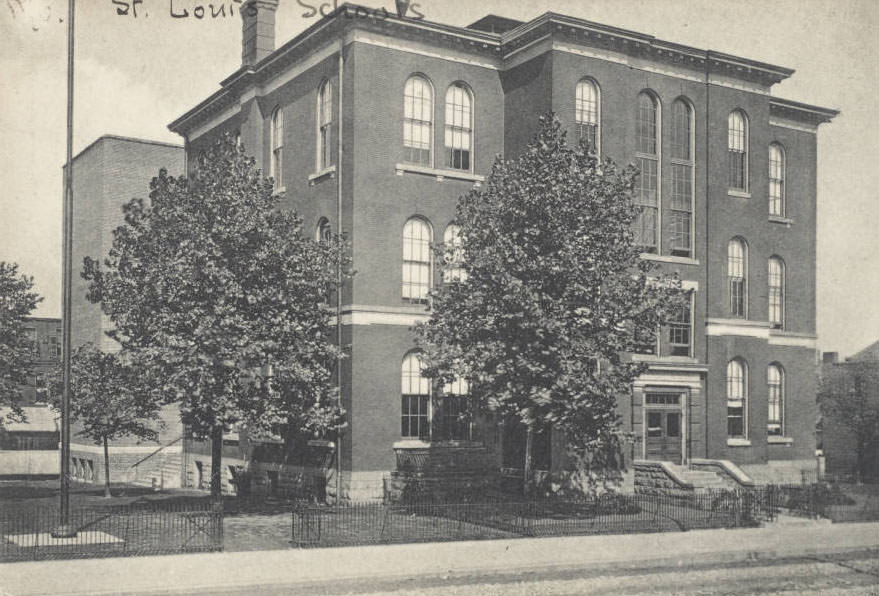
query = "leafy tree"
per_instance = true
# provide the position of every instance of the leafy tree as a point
(848, 396)
(220, 297)
(107, 399)
(552, 295)
(17, 301)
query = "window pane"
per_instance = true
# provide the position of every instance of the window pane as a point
(646, 124)
(681, 131)
(458, 129)
(417, 120)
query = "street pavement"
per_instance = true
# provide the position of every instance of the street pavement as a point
(765, 559)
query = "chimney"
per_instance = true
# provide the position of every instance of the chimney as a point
(831, 357)
(257, 30)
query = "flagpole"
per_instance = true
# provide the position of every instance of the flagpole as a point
(65, 529)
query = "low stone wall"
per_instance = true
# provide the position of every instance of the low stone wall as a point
(654, 478)
(27, 464)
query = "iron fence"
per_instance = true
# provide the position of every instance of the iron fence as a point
(429, 520)
(117, 530)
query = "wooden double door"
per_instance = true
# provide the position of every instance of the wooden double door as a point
(663, 419)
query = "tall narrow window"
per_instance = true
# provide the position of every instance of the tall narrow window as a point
(775, 389)
(776, 180)
(417, 121)
(459, 127)
(776, 292)
(738, 151)
(453, 269)
(324, 126)
(323, 232)
(682, 179)
(415, 402)
(647, 191)
(277, 147)
(416, 260)
(680, 330)
(586, 113)
(737, 399)
(736, 272)
(455, 411)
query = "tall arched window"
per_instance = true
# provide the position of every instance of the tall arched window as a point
(682, 163)
(737, 276)
(647, 191)
(738, 150)
(415, 399)
(454, 255)
(416, 260)
(459, 127)
(776, 180)
(587, 113)
(455, 411)
(277, 160)
(776, 292)
(418, 120)
(324, 126)
(737, 398)
(775, 390)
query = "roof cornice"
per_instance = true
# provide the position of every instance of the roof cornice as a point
(497, 46)
(795, 110)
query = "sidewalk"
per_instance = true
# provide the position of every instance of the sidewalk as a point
(300, 568)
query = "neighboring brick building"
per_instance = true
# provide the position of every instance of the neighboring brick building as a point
(860, 375)
(421, 109)
(107, 174)
(30, 449)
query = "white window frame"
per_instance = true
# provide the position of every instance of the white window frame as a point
(411, 123)
(738, 142)
(688, 162)
(656, 159)
(422, 259)
(776, 291)
(414, 385)
(453, 129)
(777, 174)
(324, 145)
(737, 393)
(775, 382)
(276, 157)
(737, 274)
(588, 106)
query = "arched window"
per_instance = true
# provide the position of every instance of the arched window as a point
(647, 191)
(455, 411)
(324, 126)
(737, 398)
(418, 120)
(737, 276)
(738, 151)
(776, 180)
(587, 113)
(682, 180)
(415, 402)
(459, 127)
(276, 162)
(454, 255)
(416, 260)
(323, 232)
(775, 390)
(776, 292)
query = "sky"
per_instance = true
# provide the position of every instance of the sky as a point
(135, 74)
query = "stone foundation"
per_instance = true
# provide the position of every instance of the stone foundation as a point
(655, 478)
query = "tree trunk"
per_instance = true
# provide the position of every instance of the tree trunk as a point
(528, 472)
(216, 467)
(107, 494)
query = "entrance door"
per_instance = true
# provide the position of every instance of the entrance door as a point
(663, 427)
